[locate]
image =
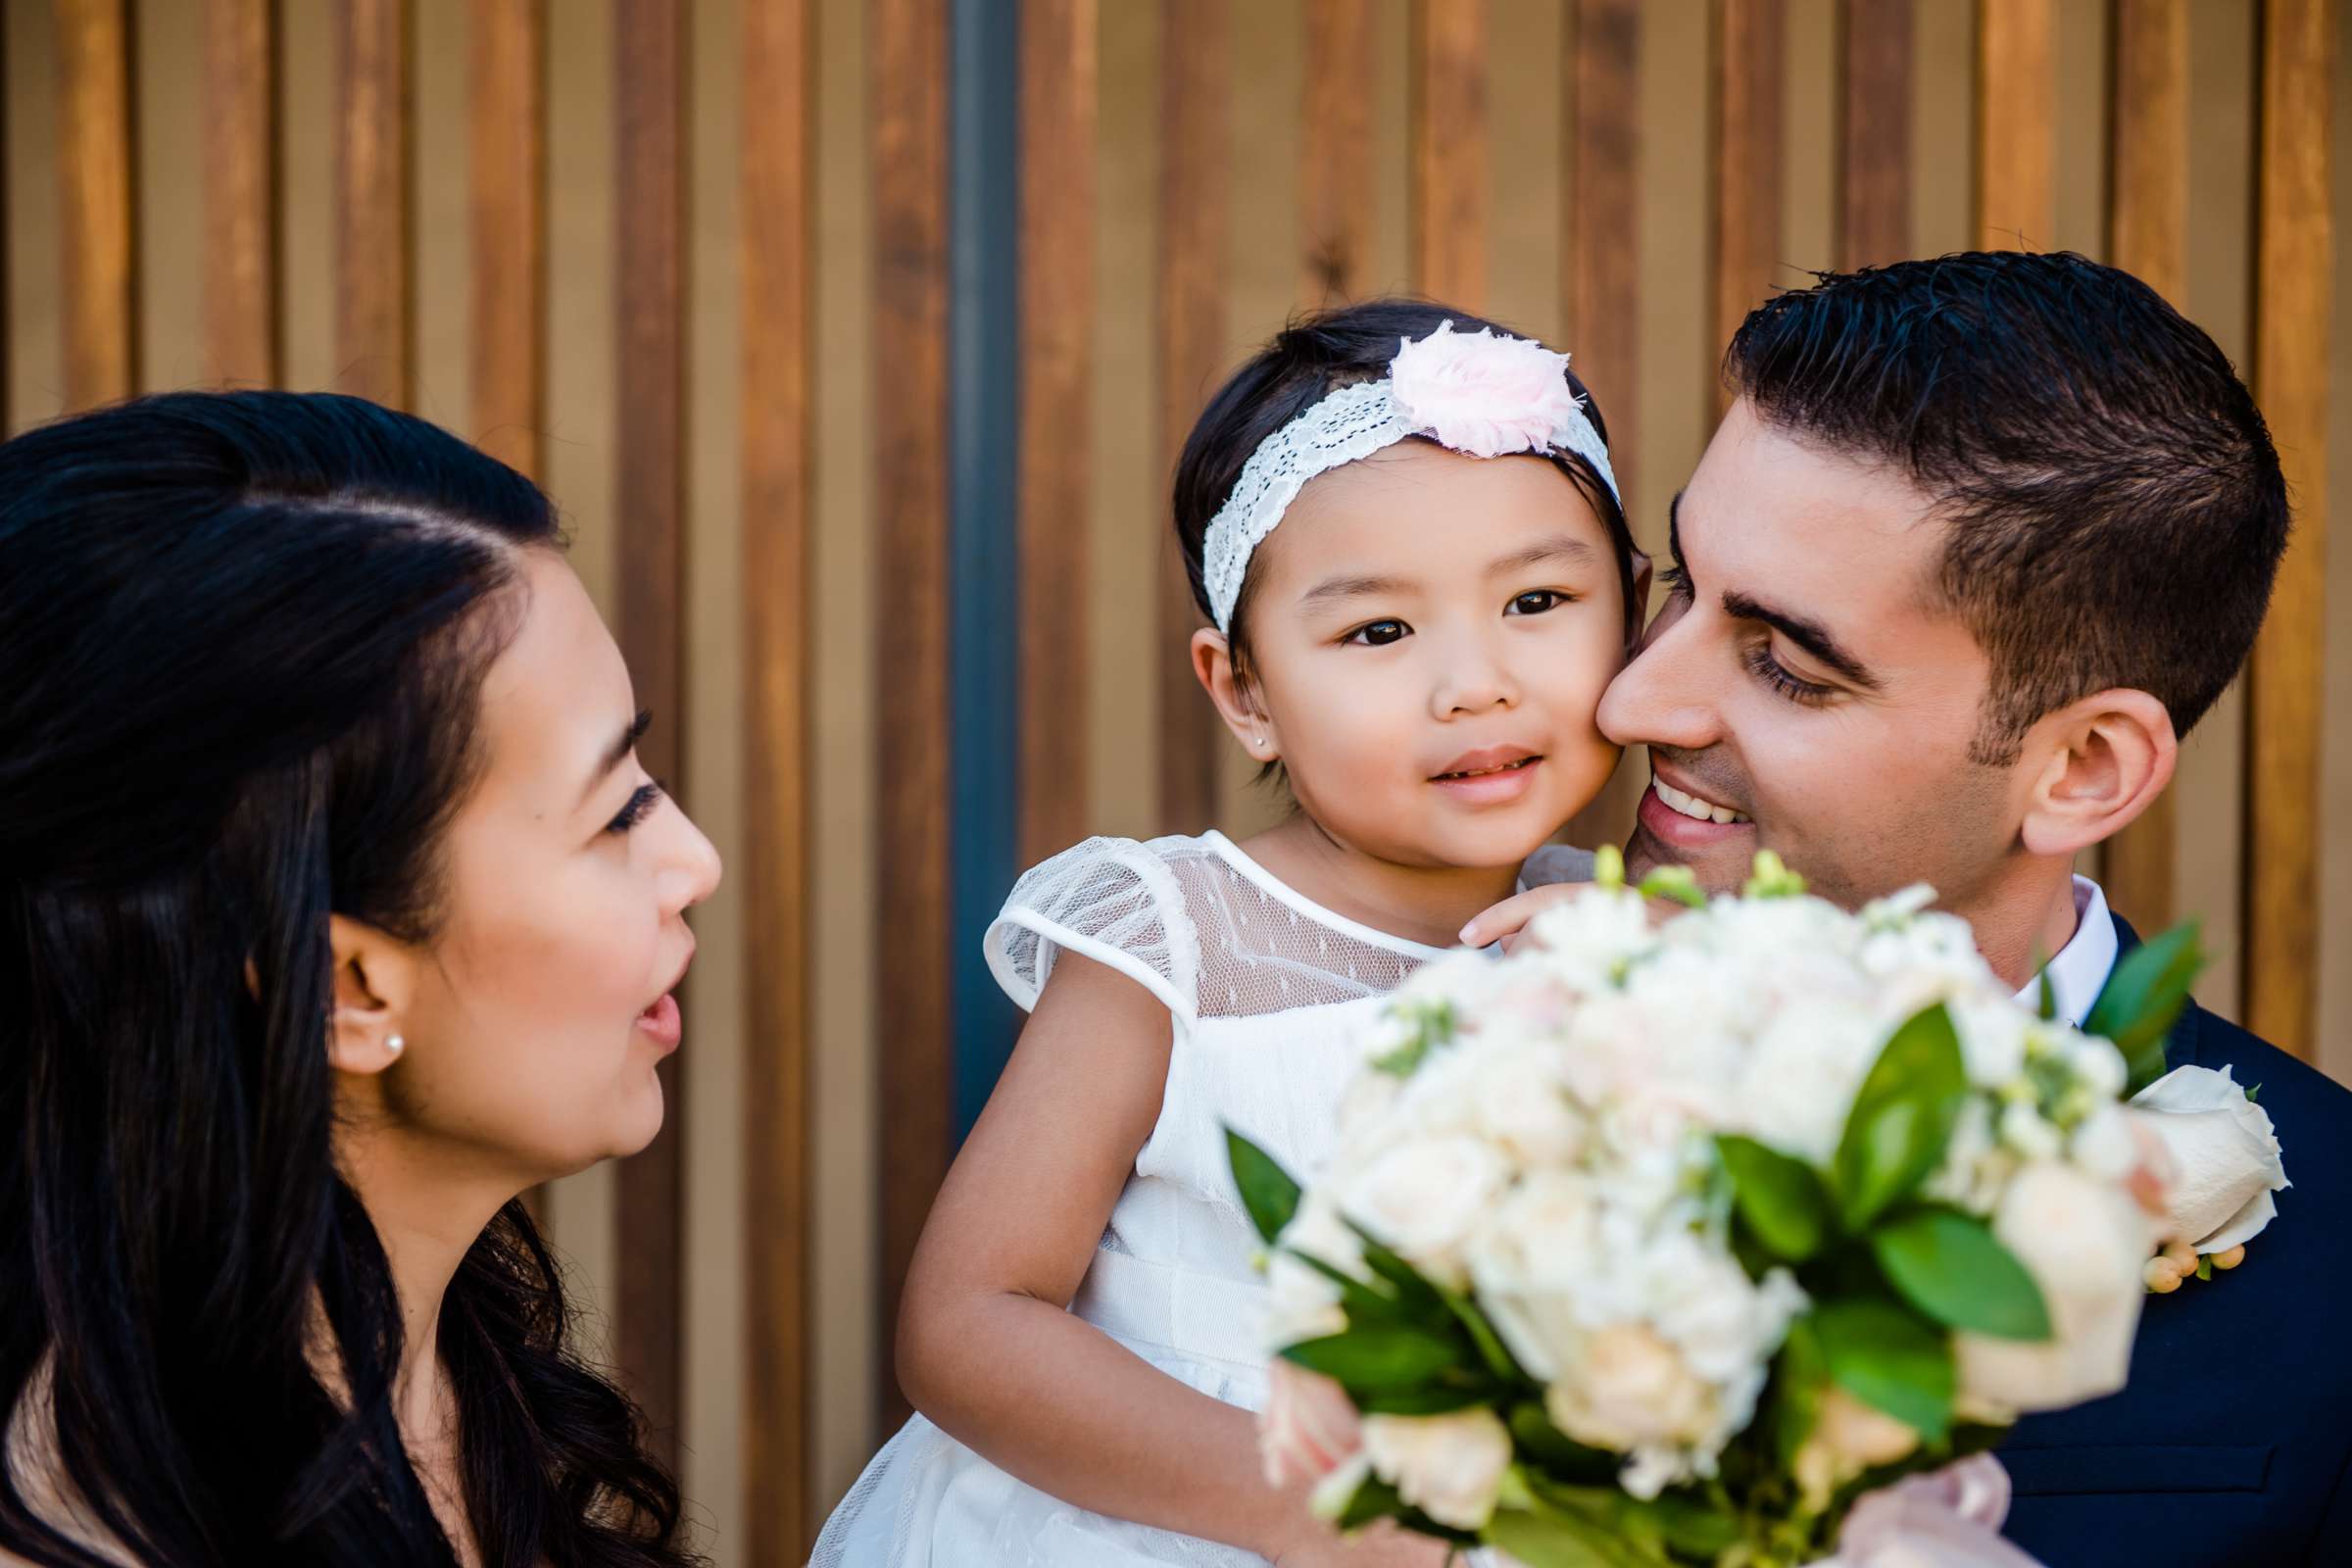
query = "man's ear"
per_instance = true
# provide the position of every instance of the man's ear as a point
(374, 984)
(2102, 760)
(1236, 702)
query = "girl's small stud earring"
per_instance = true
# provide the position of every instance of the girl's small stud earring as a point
(396, 1045)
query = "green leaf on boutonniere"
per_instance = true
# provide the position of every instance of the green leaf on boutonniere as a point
(1781, 1198)
(1903, 1118)
(1269, 1193)
(2204, 1265)
(1891, 1360)
(2142, 997)
(1379, 1358)
(1949, 1265)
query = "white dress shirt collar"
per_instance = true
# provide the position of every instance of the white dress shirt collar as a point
(2079, 971)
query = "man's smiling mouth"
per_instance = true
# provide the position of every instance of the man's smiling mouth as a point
(1693, 806)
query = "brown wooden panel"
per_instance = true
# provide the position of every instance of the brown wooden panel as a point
(1874, 160)
(1058, 50)
(1195, 100)
(1453, 174)
(2016, 94)
(1750, 47)
(1335, 163)
(2148, 237)
(7, 424)
(375, 340)
(240, 192)
(507, 101)
(778, 83)
(649, 498)
(907, 50)
(2293, 309)
(94, 185)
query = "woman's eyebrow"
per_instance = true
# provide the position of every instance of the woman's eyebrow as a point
(1558, 548)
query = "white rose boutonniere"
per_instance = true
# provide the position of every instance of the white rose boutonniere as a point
(2224, 1156)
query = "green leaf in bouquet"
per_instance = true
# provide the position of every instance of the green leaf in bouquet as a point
(1781, 1198)
(1379, 1358)
(1443, 1398)
(1547, 1536)
(1267, 1190)
(2143, 997)
(1889, 1359)
(1372, 1499)
(1771, 878)
(1949, 1265)
(1692, 1526)
(1903, 1118)
(2046, 993)
(1560, 1456)
(1798, 1376)
(1491, 1348)
(1418, 1294)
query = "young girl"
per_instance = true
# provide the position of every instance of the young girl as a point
(1419, 649)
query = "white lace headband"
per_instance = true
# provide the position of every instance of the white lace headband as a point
(1472, 392)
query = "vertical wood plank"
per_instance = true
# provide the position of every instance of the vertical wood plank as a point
(1452, 177)
(1195, 100)
(778, 271)
(908, 52)
(2293, 309)
(2017, 91)
(375, 332)
(2148, 237)
(1334, 163)
(649, 495)
(1602, 215)
(240, 192)
(1749, 46)
(1874, 160)
(1058, 85)
(508, 106)
(94, 181)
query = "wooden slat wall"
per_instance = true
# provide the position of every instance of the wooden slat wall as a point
(1334, 165)
(778, 237)
(1057, 66)
(1195, 100)
(94, 177)
(1453, 174)
(2293, 316)
(2016, 137)
(650, 499)
(2148, 237)
(374, 334)
(1750, 49)
(1874, 159)
(507, 101)
(1603, 217)
(913, 1024)
(240, 192)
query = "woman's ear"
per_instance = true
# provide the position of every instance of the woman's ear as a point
(2102, 761)
(374, 983)
(1236, 702)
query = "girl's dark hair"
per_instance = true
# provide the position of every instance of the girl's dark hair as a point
(1307, 361)
(241, 643)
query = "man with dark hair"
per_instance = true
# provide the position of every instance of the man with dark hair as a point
(1978, 542)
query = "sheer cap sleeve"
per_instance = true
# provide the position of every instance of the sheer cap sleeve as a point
(1114, 900)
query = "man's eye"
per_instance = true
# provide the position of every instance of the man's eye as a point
(1377, 634)
(1536, 600)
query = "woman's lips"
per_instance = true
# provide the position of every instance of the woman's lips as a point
(663, 1023)
(1493, 786)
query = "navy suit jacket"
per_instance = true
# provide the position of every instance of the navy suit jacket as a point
(2231, 1444)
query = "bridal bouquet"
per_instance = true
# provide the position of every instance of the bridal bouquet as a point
(1661, 1244)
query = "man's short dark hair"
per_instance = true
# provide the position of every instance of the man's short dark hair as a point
(2115, 509)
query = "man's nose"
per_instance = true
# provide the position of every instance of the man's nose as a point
(1661, 698)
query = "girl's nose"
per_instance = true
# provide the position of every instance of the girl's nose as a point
(1475, 680)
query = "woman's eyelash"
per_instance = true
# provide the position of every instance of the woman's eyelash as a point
(1773, 673)
(1550, 599)
(1363, 636)
(640, 807)
(1676, 580)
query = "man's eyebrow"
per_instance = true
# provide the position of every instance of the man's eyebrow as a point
(1333, 588)
(1810, 635)
(1559, 547)
(618, 751)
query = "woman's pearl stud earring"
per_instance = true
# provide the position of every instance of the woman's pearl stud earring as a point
(396, 1045)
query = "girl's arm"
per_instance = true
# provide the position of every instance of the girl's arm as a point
(985, 1347)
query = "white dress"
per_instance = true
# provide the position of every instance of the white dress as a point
(1269, 994)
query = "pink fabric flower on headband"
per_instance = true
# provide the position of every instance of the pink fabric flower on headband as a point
(1482, 394)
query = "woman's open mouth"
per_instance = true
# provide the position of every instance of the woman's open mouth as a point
(663, 1023)
(1492, 777)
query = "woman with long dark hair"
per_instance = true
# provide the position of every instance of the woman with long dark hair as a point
(335, 911)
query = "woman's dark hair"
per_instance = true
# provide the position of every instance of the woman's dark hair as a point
(241, 643)
(1306, 362)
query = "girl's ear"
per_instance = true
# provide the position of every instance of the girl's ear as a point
(1236, 703)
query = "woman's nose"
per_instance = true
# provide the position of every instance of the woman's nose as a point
(692, 869)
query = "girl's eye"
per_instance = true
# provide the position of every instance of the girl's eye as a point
(1536, 600)
(1772, 672)
(640, 806)
(1378, 634)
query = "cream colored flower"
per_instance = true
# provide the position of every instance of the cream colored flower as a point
(1848, 1438)
(2224, 1156)
(1448, 1466)
(2084, 1240)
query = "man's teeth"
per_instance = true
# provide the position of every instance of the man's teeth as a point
(1692, 806)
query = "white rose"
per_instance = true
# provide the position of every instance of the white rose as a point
(2084, 1242)
(1631, 1388)
(1308, 1428)
(1802, 1078)
(1301, 1303)
(1423, 1197)
(1448, 1466)
(2224, 1152)
(1540, 1245)
(1523, 1106)
(1848, 1438)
